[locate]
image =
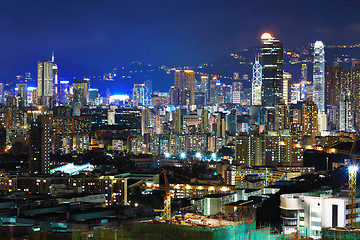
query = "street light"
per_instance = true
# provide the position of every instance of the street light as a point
(167, 155)
(213, 155)
(353, 168)
(198, 155)
(182, 155)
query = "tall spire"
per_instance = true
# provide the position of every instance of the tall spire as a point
(52, 57)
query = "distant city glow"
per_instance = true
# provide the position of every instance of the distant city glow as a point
(120, 97)
(30, 89)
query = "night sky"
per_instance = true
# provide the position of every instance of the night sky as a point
(103, 34)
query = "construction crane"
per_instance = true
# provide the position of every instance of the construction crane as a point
(167, 198)
(352, 185)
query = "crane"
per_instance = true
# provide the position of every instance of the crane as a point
(167, 198)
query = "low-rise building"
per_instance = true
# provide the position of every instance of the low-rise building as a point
(309, 213)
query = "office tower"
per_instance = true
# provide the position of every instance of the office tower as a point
(272, 60)
(94, 96)
(1, 92)
(184, 92)
(286, 87)
(237, 87)
(220, 125)
(45, 82)
(40, 149)
(22, 93)
(295, 92)
(282, 117)
(189, 87)
(205, 121)
(55, 77)
(227, 93)
(256, 83)
(148, 92)
(355, 78)
(304, 72)
(177, 121)
(138, 98)
(204, 86)
(80, 94)
(64, 91)
(346, 121)
(145, 121)
(309, 120)
(319, 76)
(111, 117)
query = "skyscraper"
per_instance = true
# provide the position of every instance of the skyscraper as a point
(355, 78)
(286, 87)
(272, 61)
(319, 76)
(45, 82)
(138, 98)
(184, 92)
(40, 149)
(256, 83)
(304, 72)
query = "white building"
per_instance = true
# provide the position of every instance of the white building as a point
(319, 76)
(308, 213)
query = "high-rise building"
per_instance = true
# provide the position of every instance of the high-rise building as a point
(227, 93)
(40, 149)
(272, 61)
(204, 86)
(237, 87)
(286, 87)
(45, 82)
(138, 98)
(319, 76)
(304, 72)
(22, 93)
(256, 83)
(346, 121)
(64, 90)
(1, 91)
(184, 92)
(355, 78)
(148, 92)
(310, 121)
(55, 77)
(80, 90)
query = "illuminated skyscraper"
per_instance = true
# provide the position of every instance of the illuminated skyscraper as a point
(236, 94)
(138, 98)
(272, 61)
(45, 82)
(355, 77)
(256, 83)
(303, 72)
(286, 87)
(319, 76)
(310, 121)
(184, 92)
(80, 90)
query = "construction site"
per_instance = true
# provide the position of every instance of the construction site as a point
(188, 226)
